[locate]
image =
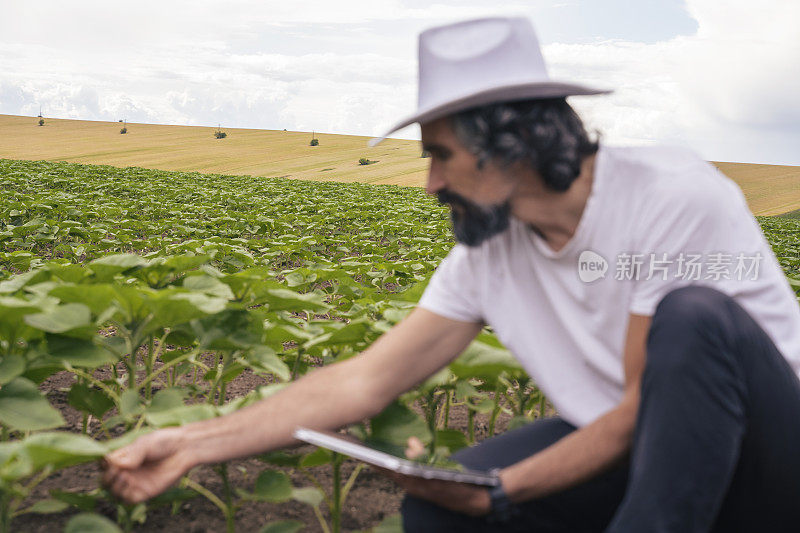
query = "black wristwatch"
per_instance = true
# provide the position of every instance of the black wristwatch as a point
(502, 509)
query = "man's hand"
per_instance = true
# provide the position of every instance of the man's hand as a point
(459, 497)
(148, 466)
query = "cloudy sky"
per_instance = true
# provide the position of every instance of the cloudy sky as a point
(721, 77)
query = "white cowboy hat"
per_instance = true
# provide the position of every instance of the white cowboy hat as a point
(481, 61)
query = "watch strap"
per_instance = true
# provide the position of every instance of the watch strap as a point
(502, 508)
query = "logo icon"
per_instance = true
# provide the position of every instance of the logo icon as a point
(591, 266)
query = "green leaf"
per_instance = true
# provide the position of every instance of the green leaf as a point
(89, 400)
(179, 416)
(61, 319)
(11, 312)
(231, 329)
(46, 507)
(453, 439)
(229, 373)
(352, 333)
(130, 404)
(483, 406)
(171, 307)
(180, 336)
(61, 449)
(167, 399)
(318, 457)
(281, 458)
(286, 300)
(264, 358)
(208, 285)
(283, 526)
(41, 370)
(395, 315)
(84, 502)
(308, 495)
(107, 267)
(14, 463)
(91, 523)
(97, 297)
(172, 495)
(272, 486)
(78, 352)
(484, 361)
(11, 366)
(465, 389)
(395, 424)
(23, 408)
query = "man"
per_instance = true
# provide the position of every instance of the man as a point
(699, 435)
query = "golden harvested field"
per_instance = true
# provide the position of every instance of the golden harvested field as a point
(769, 189)
(193, 148)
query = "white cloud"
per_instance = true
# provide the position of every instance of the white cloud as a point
(350, 67)
(729, 91)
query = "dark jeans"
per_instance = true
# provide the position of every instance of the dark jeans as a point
(716, 446)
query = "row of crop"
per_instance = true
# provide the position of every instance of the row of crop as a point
(79, 212)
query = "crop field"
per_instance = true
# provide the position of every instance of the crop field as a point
(133, 299)
(769, 189)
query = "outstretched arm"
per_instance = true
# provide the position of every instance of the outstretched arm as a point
(326, 398)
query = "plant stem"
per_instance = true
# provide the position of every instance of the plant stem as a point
(94, 381)
(321, 519)
(130, 363)
(351, 481)
(296, 365)
(430, 415)
(471, 426)
(149, 359)
(212, 392)
(116, 376)
(495, 409)
(336, 508)
(210, 496)
(5, 512)
(230, 514)
(447, 399)
(317, 484)
(167, 366)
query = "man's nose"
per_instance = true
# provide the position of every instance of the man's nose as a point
(435, 183)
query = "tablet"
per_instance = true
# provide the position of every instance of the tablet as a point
(356, 450)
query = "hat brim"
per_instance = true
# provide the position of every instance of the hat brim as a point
(508, 93)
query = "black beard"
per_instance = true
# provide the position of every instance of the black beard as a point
(472, 223)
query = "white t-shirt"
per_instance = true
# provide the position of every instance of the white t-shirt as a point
(566, 328)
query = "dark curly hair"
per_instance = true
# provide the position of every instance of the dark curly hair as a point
(547, 133)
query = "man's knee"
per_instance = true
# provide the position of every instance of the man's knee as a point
(685, 319)
(694, 304)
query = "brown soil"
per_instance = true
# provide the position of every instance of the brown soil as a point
(372, 498)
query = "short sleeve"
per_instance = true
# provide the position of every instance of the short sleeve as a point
(454, 289)
(686, 234)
